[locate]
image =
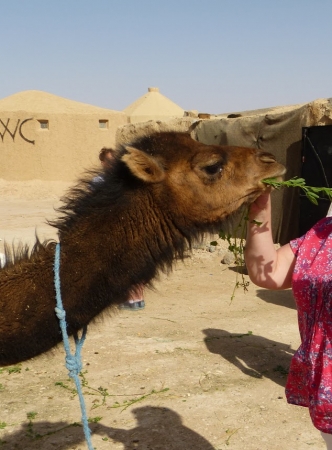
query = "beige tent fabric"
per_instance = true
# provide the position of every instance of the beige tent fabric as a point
(131, 132)
(329, 212)
(278, 131)
(153, 106)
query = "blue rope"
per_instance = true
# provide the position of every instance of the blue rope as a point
(73, 362)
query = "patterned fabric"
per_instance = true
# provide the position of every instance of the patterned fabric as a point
(310, 377)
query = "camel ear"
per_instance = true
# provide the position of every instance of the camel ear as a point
(143, 166)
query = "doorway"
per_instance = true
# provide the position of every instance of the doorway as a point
(317, 171)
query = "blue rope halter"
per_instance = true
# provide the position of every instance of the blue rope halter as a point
(73, 362)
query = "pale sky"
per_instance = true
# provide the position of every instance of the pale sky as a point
(214, 56)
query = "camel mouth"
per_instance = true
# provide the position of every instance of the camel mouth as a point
(253, 194)
(277, 176)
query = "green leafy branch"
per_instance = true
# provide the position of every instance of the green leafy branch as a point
(311, 192)
(236, 246)
(103, 392)
(128, 403)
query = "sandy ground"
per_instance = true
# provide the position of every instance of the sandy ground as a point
(192, 371)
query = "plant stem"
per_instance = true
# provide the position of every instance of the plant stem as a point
(311, 192)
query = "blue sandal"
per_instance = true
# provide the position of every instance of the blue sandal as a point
(132, 306)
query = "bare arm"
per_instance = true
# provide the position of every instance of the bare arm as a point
(267, 267)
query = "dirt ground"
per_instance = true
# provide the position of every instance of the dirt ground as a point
(192, 371)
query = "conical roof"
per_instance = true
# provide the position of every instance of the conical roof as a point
(43, 102)
(153, 106)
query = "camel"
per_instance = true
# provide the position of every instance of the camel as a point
(159, 194)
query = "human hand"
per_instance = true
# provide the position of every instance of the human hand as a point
(260, 207)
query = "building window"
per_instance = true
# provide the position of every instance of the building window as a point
(103, 123)
(43, 124)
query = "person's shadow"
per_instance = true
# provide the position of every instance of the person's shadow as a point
(254, 355)
(157, 428)
(283, 298)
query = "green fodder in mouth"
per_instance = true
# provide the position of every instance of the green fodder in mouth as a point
(313, 193)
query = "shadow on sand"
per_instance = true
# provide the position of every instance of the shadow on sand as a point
(157, 429)
(254, 355)
(280, 298)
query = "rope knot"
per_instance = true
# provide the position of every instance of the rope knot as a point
(74, 365)
(60, 313)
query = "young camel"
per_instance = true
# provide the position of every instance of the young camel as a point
(158, 195)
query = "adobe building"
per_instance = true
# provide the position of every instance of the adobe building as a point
(153, 106)
(46, 137)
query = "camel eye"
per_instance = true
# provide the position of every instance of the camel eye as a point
(213, 169)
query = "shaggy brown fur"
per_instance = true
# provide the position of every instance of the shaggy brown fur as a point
(159, 194)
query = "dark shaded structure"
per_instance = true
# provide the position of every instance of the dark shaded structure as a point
(317, 171)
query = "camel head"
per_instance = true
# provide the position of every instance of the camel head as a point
(203, 183)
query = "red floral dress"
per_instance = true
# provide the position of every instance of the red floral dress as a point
(310, 377)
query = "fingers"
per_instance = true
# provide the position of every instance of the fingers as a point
(260, 207)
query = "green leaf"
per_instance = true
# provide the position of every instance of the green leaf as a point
(311, 192)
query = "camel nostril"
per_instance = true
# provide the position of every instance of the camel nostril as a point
(267, 157)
